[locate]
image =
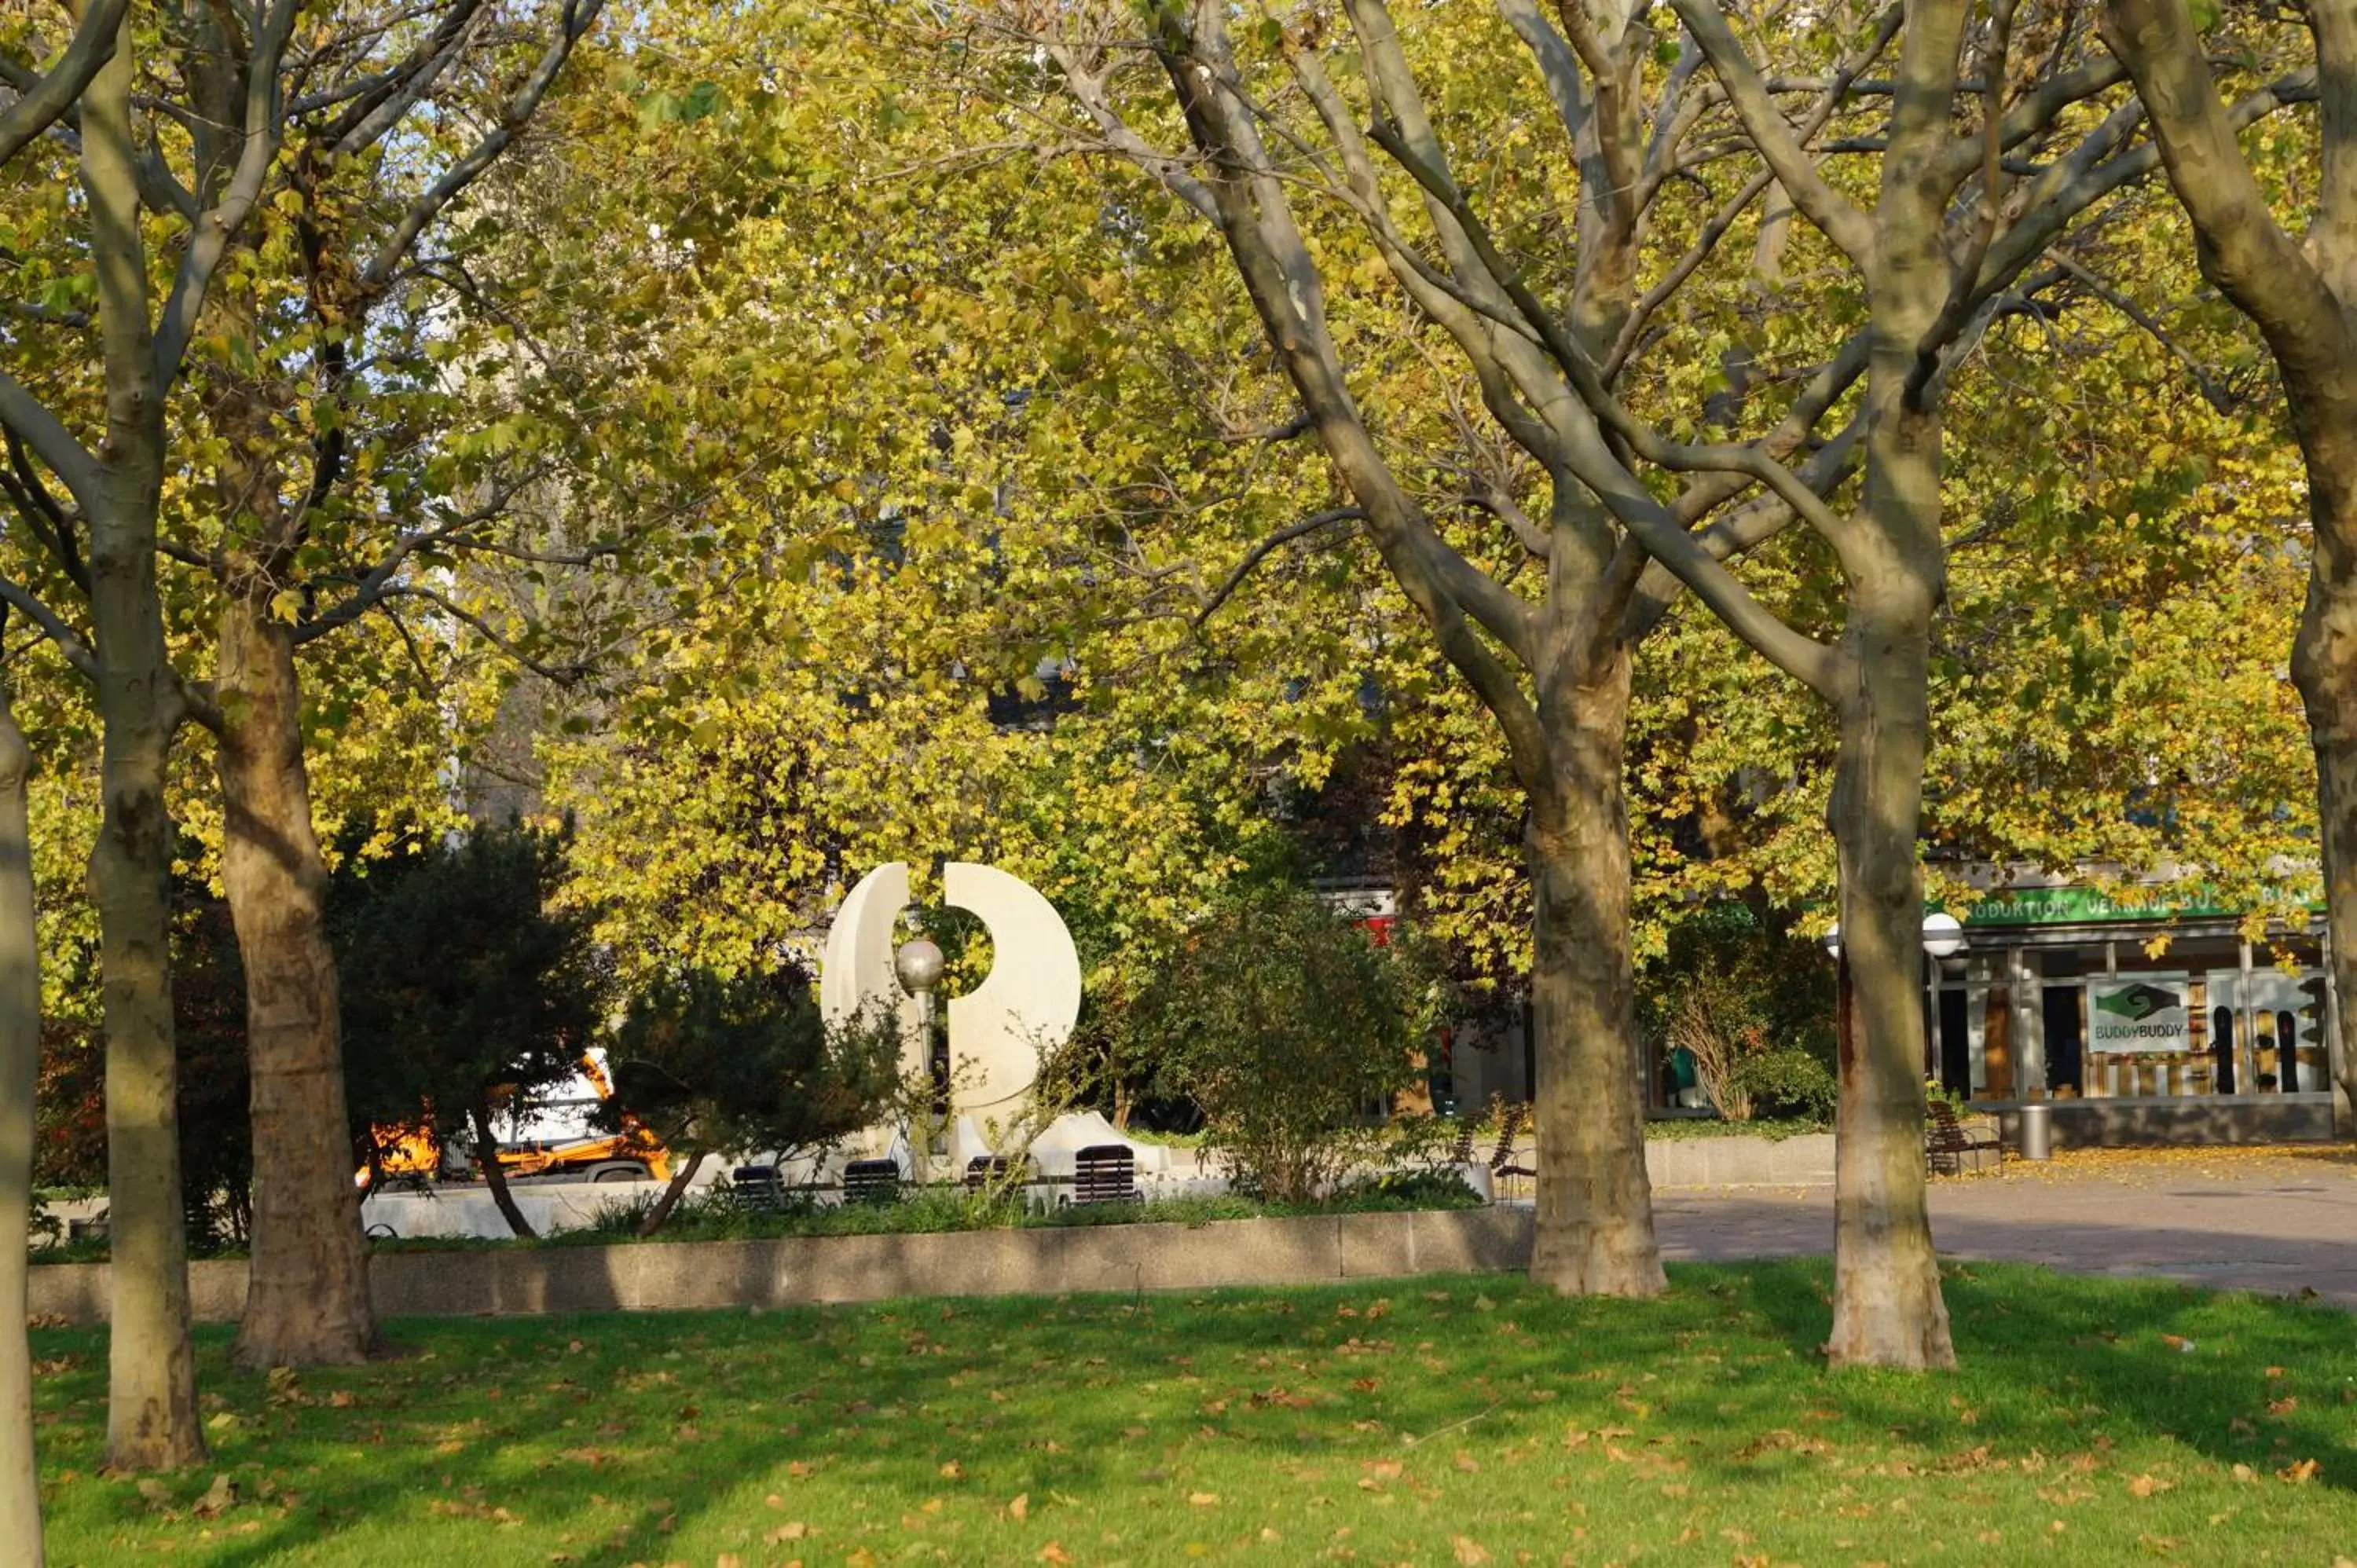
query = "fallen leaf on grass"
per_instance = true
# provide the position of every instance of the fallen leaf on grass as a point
(1203, 1499)
(1020, 1507)
(1471, 1553)
(1466, 1463)
(1051, 1552)
(953, 1471)
(2299, 1474)
(222, 1496)
(793, 1530)
(2146, 1486)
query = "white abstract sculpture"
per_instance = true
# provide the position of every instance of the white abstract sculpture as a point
(1027, 1003)
(857, 967)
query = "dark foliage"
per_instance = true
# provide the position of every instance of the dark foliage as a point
(461, 978)
(209, 1029)
(710, 1063)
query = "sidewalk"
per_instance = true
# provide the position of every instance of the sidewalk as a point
(2280, 1220)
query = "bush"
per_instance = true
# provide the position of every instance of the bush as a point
(1288, 1027)
(465, 984)
(1413, 1189)
(216, 1144)
(1732, 990)
(1788, 1084)
(711, 1064)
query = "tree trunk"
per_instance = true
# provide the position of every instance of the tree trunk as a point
(487, 1160)
(151, 1390)
(1595, 1230)
(1888, 1310)
(672, 1194)
(20, 1054)
(151, 1412)
(306, 1300)
(2324, 667)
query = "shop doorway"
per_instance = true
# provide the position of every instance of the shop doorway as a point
(1955, 1042)
(2063, 1009)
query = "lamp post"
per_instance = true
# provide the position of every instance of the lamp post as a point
(917, 962)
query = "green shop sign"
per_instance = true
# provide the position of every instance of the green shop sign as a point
(2070, 906)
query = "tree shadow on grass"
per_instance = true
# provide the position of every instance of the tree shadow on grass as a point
(2152, 1357)
(613, 1438)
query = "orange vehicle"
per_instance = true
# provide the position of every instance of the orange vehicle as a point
(554, 1139)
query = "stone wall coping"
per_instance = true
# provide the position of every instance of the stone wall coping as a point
(658, 1276)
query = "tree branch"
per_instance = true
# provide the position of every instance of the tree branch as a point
(47, 99)
(76, 651)
(2212, 392)
(579, 17)
(562, 675)
(216, 230)
(2244, 250)
(28, 420)
(50, 523)
(1850, 229)
(1261, 550)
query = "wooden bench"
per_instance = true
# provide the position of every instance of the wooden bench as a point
(1105, 1173)
(1502, 1167)
(1950, 1149)
(871, 1181)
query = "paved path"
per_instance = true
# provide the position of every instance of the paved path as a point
(2277, 1220)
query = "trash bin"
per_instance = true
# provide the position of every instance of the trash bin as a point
(2036, 1139)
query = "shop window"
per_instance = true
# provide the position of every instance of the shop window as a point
(2167, 1028)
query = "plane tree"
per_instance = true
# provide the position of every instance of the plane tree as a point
(2294, 274)
(268, 196)
(1582, 286)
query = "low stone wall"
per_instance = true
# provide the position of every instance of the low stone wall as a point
(2209, 1118)
(1804, 1161)
(655, 1276)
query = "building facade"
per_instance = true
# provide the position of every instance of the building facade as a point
(2139, 1018)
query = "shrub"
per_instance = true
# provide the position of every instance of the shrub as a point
(1291, 1030)
(710, 1063)
(1413, 1189)
(1732, 988)
(466, 986)
(1787, 1084)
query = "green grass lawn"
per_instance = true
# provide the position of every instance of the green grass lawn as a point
(1434, 1420)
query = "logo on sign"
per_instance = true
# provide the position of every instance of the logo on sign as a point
(2148, 1013)
(2139, 1002)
